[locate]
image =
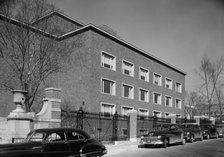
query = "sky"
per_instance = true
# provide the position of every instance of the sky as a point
(179, 32)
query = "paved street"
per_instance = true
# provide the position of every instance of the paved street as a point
(206, 148)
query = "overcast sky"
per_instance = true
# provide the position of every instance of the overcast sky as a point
(180, 32)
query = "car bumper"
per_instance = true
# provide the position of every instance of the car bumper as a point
(152, 143)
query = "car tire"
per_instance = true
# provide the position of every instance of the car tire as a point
(165, 143)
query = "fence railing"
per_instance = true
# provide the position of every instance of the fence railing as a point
(104, 127)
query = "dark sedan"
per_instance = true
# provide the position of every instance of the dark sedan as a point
(57, 142)
(209, 131)
(163, 135)
(192, 131)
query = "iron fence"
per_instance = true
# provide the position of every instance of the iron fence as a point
(104, 127)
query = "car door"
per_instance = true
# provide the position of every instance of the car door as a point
(56, 145)
(76, 141)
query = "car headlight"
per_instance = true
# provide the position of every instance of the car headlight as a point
(142, 137)
(188, 133)
(159, 136)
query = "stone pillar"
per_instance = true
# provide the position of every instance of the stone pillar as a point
(19, 122)
(197, 118)
(133, 125)
(50, 115)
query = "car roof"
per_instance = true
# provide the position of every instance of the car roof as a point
(62, 129)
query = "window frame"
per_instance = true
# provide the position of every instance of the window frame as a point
(156, 114)
(176, 87)
(113, 88)
(160, 101)
(109, 104)
(114, 60)
(171, 101)
(147, 78)
(141, 115)
(122, 89)
(171, 86)
(146, 97)
(123, 68)
(124, 106)
(154, 79)
(179, 107)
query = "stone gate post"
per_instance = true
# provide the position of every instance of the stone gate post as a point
(133, 125)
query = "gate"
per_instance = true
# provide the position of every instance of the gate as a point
(147, 123)
(104, 127)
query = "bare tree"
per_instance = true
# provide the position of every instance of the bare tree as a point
(28, 56)
(210, 73)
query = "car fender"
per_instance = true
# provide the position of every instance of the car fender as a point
(92, 148)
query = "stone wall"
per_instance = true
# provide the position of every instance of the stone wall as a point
(3, 130)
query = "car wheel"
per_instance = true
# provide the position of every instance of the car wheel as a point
(165, 142)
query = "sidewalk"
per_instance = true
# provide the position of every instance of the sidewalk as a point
(119, 147)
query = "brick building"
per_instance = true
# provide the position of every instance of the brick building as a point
(107, 74)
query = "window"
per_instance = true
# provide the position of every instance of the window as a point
(76, 136)
(157, 98)
(128, 91)
(157, 79)
(125, 109)
(124, 131)
(168, 83)
(157, 114)
(108, 87)
(55, 137)
(128, 68)
(168, 101)
(143, 112)
(143, 95)
(178, 103)
(107, 109)
(167, 114)
(178, 116)
(144, 74)
(108, 61)
(178, 87)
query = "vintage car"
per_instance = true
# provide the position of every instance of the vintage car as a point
(192, 131)
(163, 135)
(209, 131)
(57, 142)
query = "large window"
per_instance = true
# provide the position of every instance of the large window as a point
(157, 98)
(178, 87)
(144, 74)
(125, 109)
(108, 87)
(127, 68)
(107, 109)
(168, 101)
(108, 61)
(168, 83)
(128, 91)
(157, 114)
(178, 103)
(143, 95)
(157, 79)
(143, 112)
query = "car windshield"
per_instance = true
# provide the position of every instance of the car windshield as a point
(35, 136)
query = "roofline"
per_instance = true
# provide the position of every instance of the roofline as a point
(121, 41)
(95, 29)
(62, 16)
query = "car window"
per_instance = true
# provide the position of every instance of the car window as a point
(54, 137)
(76, 136)
(37, 136)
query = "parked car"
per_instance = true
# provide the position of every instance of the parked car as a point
(163, 135)
(220, 134)
(57, 142)
(209, 131)
(192, 131)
